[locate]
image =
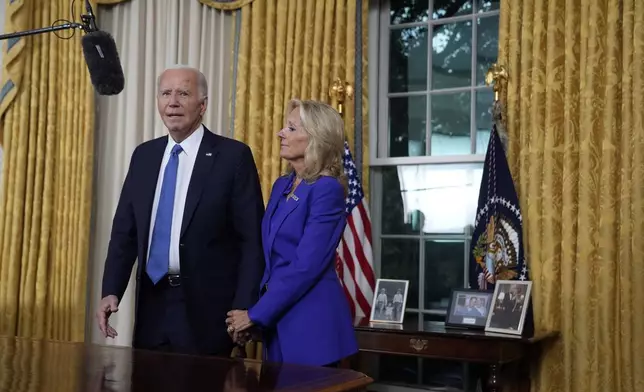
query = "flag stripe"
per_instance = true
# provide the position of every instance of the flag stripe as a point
(360, 256)
(357, 295)
(364, 215)
(354, 254)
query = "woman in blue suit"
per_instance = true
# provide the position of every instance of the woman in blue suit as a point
(302, 312)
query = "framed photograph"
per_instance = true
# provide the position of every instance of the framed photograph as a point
(509, 306)
(389, 301)
(468, 308)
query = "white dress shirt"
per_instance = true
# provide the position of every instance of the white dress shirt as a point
(187, 159)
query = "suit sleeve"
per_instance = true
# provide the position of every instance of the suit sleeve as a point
(314, 255)
(122, 249)
(248, 211)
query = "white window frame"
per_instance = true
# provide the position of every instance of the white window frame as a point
(379, 87)
(378, 131)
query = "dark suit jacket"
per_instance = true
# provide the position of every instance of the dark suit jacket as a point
(220, 245)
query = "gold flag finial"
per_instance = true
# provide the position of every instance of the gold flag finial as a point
(497, 75)
(339, 92)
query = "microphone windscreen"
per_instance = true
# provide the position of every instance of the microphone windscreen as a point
(103, 62)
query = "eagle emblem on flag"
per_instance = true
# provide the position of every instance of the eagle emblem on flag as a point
(497, 251)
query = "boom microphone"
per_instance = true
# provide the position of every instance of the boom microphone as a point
(99, 50)
(101, 56)
(103, 62)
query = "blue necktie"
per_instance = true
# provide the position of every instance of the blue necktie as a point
(159, 259)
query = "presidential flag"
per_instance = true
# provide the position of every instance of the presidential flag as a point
(497, 241)
(354, 257)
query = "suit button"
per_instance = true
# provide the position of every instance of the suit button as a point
(181, 245)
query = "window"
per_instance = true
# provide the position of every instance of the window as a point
(432, 120)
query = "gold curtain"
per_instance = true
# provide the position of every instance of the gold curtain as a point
(575, 108)
(293, 49)
(47, 182)
(226, 5)
(221, 5)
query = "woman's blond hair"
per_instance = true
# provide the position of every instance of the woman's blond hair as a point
(325, 128)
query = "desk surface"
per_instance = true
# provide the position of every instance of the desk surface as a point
(36, 366)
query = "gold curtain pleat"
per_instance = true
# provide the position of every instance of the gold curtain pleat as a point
(220, 5)
(47, 182)
(292, 49)
(575, 116)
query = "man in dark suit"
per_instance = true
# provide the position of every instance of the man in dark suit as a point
(190, 211)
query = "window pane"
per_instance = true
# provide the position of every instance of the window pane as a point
(400, 258)
(451, 116)
(409, 11)
(488, 5)
(407, 126)
(444, 271)
(484, 119)
(449, 8)
(452, 55)
(487, 45)
(395, 220)
(408, 59)
(439, 198)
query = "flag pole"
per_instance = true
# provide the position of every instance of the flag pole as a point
(497, 76)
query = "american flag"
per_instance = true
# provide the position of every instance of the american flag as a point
(354, 257)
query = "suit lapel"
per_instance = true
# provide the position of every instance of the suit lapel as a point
(273, 201)
(280, 188)
(151, 170)
(301, 193)
(203, 164)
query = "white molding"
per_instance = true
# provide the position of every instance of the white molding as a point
(426, 160)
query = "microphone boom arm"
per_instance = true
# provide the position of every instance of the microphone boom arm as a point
(65, 26)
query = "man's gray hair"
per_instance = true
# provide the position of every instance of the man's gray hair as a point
(201, 78)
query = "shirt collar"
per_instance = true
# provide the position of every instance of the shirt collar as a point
(191, 144)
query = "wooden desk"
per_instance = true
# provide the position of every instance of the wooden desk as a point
(492, 349)
(38, 366)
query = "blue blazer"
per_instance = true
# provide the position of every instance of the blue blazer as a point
(303, 312)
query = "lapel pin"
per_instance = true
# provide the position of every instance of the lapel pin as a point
(295, 198)
(208, 154)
